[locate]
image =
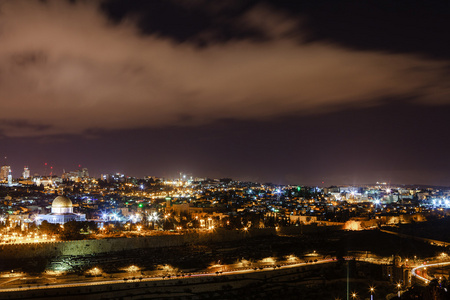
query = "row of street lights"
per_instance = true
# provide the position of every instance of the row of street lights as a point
(354, 295)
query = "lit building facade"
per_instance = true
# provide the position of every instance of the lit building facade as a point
(10, 181)
(4, 172)
(26, 173)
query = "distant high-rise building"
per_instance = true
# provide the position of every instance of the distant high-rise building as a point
(26, 173)
(4, 172)
(10, 177)
(76, 175)
(84, 173)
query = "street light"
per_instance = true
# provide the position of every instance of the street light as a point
(372, 290)
(399, 285)
(354, 295)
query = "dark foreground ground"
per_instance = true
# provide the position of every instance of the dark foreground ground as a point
(312, 281)
(200, 256)
(325, 282)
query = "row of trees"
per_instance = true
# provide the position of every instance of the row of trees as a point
(72, 230)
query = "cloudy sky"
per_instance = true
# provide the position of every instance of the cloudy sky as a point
(280, 91)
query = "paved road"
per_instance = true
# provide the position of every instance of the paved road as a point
(430, 241)
(146, 279)
(418, 272)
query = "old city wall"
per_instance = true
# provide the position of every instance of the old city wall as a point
(86, 247)
(309, 229)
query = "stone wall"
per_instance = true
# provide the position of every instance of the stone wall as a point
(308, 229)
(86, 247)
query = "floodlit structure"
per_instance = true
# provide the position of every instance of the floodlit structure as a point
(4, 172)
(26, 173)
(62, 212)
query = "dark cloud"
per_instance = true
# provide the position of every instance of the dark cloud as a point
(69, 67)
(28, 58)
(195, 21)
(23, 124)
(383, 25)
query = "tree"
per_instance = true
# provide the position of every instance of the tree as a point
(89, 226)
(48, 228)
(71, 231)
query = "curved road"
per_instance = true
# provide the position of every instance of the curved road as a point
(423, 278)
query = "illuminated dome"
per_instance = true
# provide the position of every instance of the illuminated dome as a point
(62, 205)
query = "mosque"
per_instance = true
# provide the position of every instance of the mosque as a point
(62, 212)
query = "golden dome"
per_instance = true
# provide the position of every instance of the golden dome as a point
(61, 202)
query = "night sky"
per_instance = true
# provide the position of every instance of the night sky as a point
(288, 92)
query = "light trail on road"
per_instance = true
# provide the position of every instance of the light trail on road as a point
(421, 267)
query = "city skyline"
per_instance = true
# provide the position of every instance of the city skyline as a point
(273, 91)
(239, 149)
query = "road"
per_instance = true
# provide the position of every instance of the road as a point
(430, 241)
(418, 272)
(147, 279)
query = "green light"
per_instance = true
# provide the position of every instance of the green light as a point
(299, 188)
(168, 198)
(62, 268)
(141, 205)
(126, 203)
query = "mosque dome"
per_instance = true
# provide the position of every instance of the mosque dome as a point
(62, 204)
(62, 201)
